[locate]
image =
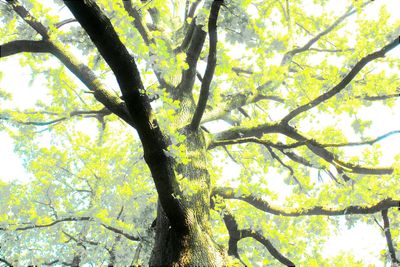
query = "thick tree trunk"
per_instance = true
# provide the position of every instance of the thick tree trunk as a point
(194, 248)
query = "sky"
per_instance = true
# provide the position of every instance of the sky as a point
(364, 241)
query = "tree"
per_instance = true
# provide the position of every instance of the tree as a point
(271, 89)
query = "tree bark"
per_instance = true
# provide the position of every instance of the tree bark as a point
(194, 247)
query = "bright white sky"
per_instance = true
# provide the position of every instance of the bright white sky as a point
(363, 241)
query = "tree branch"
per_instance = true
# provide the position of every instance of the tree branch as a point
(64, 22)
(196, 38)
(81, 71)
(28, 18)
(87, 113)
(255, 140)
(36, 226)
(388, 235)
(118, 231)
(128, 77)
(259, 203)
(361, 143)
(74, 219)
(211, 63)
(237, 101)
(7, 263)
(236, 234)
(378, 97)
(316, 147)
(146, 36)
(19, 46)
(139, 25)
(331, 158)
(289, 55)
(192, 9)
(343, 83)
(268, 245)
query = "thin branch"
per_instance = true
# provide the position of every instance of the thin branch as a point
(261, 204)
(73, 219)
(343, 83)
(36, 226)
(289, 55)
(388, 235)
(86, 113)
(378, 97)
(64, 22)
(255, 140)
(118, 231)
(289, 168)
(211, 63)
(331, 50)
(367, 142)
(50, 263)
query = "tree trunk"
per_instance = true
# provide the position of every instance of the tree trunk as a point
(195, 247)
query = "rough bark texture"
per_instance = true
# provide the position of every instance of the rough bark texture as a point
(195, 247)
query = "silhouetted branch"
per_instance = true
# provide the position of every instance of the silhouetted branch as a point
(81, 71)
(344, 82)
(123, 65)
(146, 36)
(192, 45)
(388, 235)
(211, 63)
(19, 46)
(236, 234)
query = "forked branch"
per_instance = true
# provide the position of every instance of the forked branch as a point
(236, 234)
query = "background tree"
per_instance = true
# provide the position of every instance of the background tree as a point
(245, 141)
